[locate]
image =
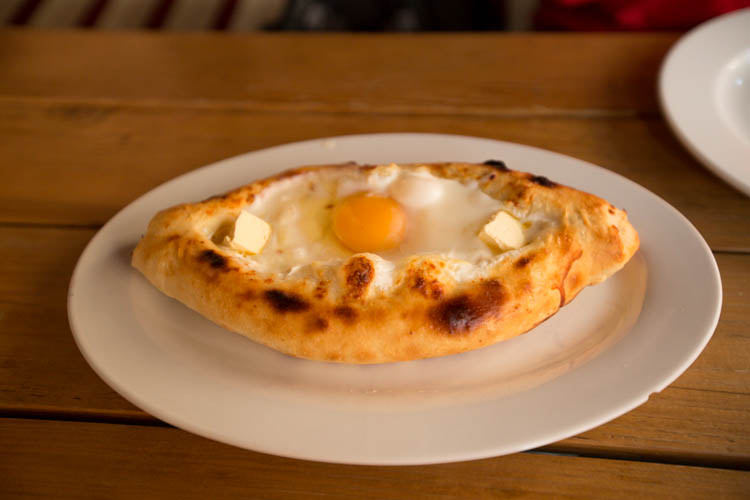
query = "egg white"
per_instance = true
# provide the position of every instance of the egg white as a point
(444, 217)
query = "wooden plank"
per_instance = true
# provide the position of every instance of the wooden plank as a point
(34, 275)
(703, 417)
(130, 14)
(192, 15)
(677, 425)
(83, 162)
(481, 74)
(725, 365)
(84, 460)
(59, 13)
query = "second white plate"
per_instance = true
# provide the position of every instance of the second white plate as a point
(704, 89)
(599, 357)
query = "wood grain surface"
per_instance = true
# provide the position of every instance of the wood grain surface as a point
(419, 73)
(88, 122)
(74, 460)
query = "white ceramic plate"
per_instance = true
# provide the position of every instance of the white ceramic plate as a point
(599, 357)
(704, 89)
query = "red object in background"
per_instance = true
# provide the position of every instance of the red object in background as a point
(595, 15)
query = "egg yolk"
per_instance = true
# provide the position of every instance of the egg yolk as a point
(369, 223)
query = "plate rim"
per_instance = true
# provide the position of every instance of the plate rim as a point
(490, 451)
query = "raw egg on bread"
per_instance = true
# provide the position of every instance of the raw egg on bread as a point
(366, 222)
(321, 219)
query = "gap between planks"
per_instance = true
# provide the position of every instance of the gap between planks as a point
(145, 420)
(49, 225)
(354, 108)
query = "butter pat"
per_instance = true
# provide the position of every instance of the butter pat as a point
(250, 233)
(504, 232)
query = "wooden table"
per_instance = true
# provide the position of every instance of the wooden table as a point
(89, 121)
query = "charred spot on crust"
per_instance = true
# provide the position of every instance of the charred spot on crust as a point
(456, 315)
(318, 324)
(523, 262)
(464, 313)
(542, 181)
(428, 288)
(359, 272)
(285, 302)
(498, 164)
(214, 259)
(346, 313)
(321, 290)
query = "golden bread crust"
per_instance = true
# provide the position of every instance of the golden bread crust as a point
(426, 313)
